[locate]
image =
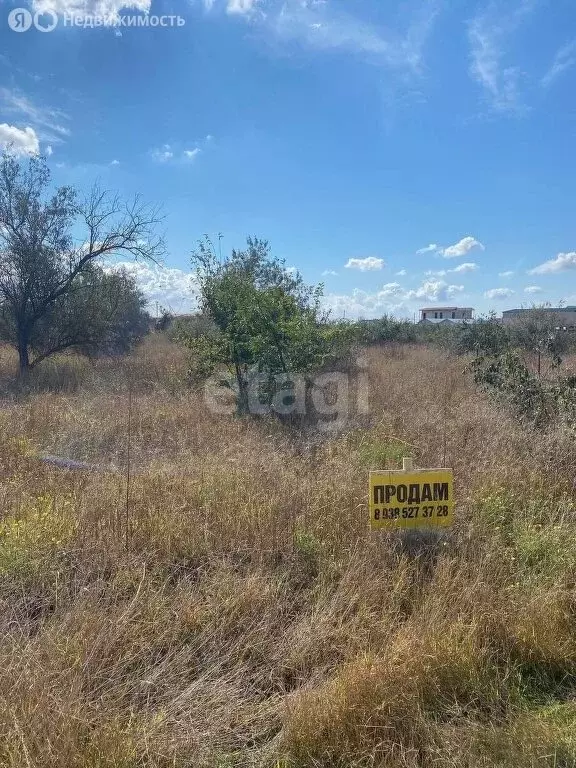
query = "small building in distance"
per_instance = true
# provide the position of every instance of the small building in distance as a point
(448, 315)
(564, 317)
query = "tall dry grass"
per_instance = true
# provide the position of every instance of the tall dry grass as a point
(238, 612)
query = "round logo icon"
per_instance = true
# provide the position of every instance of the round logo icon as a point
(20, 19)
(45, 21)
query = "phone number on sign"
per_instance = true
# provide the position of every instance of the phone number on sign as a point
(411, 513)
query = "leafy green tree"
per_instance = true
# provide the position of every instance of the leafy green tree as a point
(103, 314)
(539, 330)
(266, 320)
(507, 377)
(51, 243)
(165, 321)
(486, 337)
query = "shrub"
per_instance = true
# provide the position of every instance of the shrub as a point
(264, 324)
(30, 542)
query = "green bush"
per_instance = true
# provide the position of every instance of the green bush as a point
(387, 329)
(531, 397)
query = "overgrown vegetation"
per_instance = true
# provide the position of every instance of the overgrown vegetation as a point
(262, 323)
(520, 363)
(540, 394)
(236, 611)
(539, 400)
(54, 292)
(387, 329)
(203, 590)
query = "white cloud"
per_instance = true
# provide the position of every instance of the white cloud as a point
(428, 249)
(390, 299)
(163, 154)
(329, 273)
(172, 288)
(370, 263)
(115, 162)
(500, 84)
(533, 289)
(499, 293)
(508, 273)
(457, 250)
(401, 273)
(564, 59)
(322, 25)
(109, 9)
(48, 123)
(435, 290)
(390, 289)
(463, 269)
(49, 151)
(357, 304)
(488, 34)
(20, 141)
(241, 6)
(168, 153)
(564, 262)
(462, 248)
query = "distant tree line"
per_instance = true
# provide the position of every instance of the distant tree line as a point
(538, 331)
(256, 318)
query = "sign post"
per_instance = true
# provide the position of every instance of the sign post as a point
(411, 498)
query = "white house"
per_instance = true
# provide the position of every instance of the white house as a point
(446, 314)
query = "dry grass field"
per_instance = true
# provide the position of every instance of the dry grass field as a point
(235, 610)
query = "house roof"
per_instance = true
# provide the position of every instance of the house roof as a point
(447, 309)
(548, 309)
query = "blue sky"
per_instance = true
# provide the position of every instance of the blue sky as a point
(405, 153)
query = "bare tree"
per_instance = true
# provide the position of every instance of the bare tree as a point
(49, 242)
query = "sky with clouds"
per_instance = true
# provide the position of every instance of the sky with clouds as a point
(404, 153)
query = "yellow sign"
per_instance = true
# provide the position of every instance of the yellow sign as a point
(414, 499)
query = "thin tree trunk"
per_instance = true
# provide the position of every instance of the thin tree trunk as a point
(242, 404)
